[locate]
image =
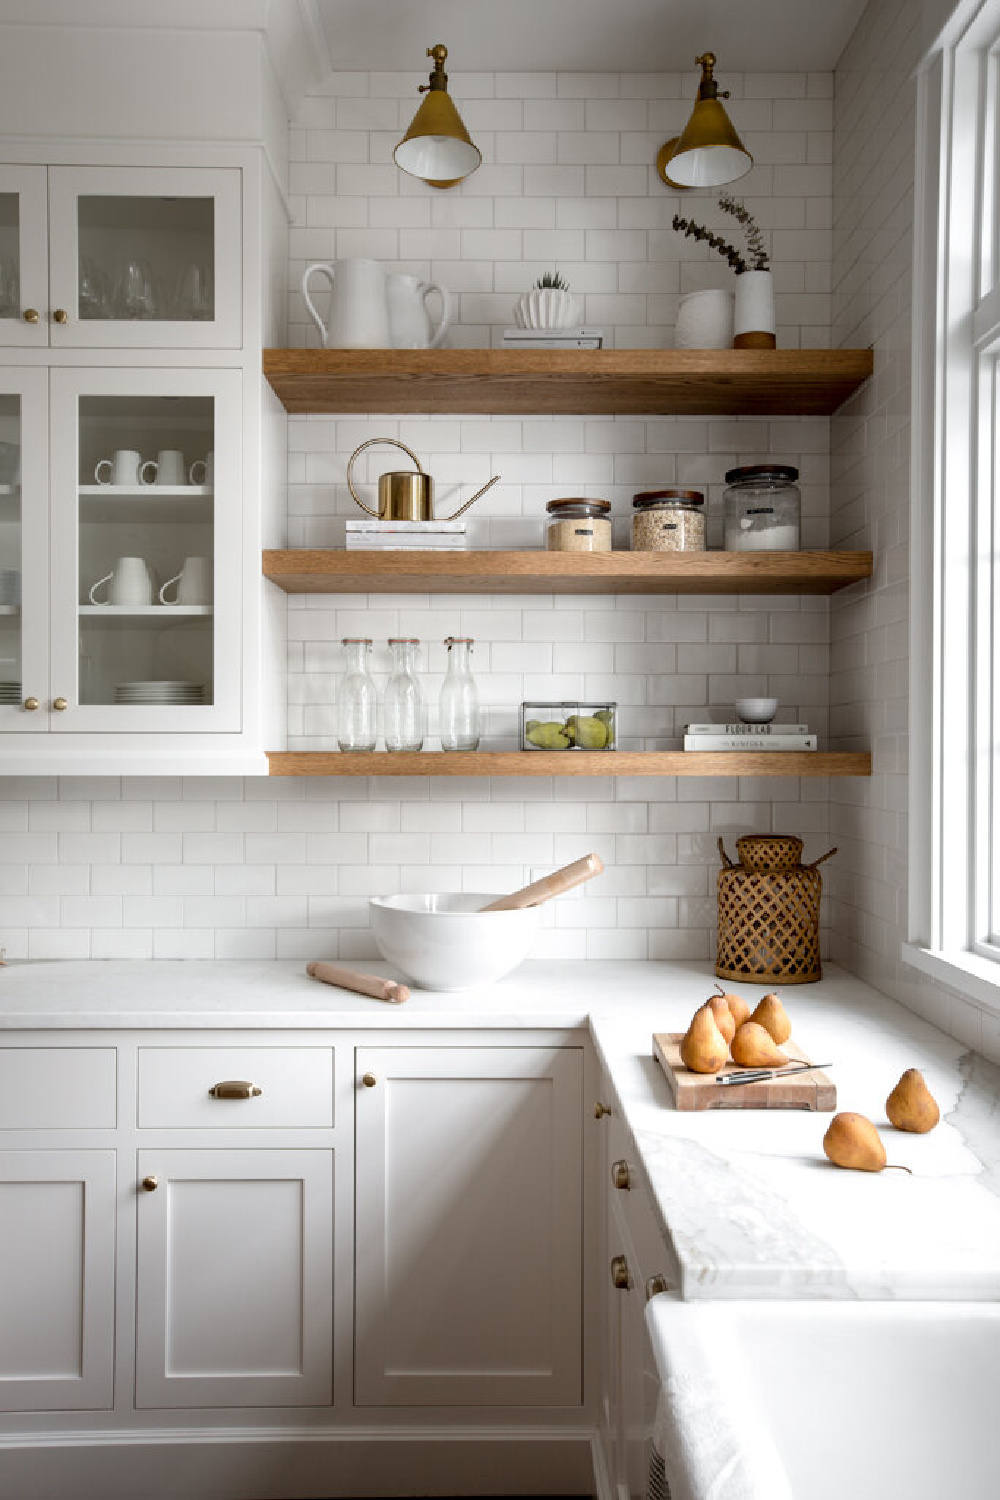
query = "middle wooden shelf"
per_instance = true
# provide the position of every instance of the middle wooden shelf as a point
(569, 763)
(331, 571)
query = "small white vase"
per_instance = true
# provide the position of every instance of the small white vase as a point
(705, 321)
(547, 307)
(753, 323)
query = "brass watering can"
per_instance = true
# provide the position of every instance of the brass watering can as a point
(403, 495)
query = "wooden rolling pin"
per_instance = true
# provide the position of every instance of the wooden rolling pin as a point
(550, 885)
(361, 984)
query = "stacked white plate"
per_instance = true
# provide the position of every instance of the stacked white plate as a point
(10, 692)
(137, 693)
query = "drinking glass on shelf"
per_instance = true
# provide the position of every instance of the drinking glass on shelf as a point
(94, 291)
(134, 295)
(10, 290)
(194, 298)
(357, 697)
(404, 704)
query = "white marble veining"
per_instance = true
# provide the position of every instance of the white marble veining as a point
(747, 1198)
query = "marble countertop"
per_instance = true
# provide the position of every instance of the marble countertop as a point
(747, 1198)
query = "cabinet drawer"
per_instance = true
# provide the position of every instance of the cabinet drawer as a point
(295, 1083)
(651, 1246)
(57, 1088)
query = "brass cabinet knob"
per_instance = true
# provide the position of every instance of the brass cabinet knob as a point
(621, 1176)
(31, 704)
(235, 1088)
(60, 315)
(150, 1183)
(30, 315)
(369, 1080)
(655, 1285)
(600, 1110)
(620, 1278)
(60, 705)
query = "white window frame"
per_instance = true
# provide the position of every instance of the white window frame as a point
(954, 862)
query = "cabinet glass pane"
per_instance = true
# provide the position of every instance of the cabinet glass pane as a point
(147, 551)
(148, 259)
(10, 550)
(10, 266)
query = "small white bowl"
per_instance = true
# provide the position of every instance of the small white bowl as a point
(448, 942)
(756, 710)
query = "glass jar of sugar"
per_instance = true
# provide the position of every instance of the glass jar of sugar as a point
(762, 509)
(579, 525)
(668, 521)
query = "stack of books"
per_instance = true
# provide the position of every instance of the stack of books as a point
(553, 338)
(742, 736)
(406, 536)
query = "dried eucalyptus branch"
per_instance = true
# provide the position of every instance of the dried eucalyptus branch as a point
(713, 241)
(756, 247)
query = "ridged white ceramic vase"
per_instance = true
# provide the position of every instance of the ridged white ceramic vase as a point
(705, 321)
(549, 307)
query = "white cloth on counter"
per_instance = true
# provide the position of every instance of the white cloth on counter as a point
(714, 1443)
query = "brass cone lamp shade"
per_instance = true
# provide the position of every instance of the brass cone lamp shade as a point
(709, 152)
(437, 147)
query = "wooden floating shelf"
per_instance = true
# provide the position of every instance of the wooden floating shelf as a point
(546, 382)
(569, 763)
(342, 572)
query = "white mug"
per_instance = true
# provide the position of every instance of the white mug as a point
(207, 467)
(122, 469)
(131, 582)
(194, 583)
(168, 468)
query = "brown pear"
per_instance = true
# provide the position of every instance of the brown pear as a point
(738, 1007)
(704, 1048)
(752, 1047)
(723, 1016)
(852, 1141)
(911, 1105)
(771, 1014)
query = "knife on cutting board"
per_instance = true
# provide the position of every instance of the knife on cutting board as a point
(757, 1075)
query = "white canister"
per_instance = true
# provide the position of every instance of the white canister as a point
(705, 321)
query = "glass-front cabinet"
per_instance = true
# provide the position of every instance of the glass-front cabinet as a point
(120, 257)
(123, 570)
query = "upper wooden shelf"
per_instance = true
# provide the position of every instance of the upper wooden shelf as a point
(341, 572)
(569, 763)
(519, 382)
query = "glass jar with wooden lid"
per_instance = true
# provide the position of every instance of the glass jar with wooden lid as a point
(579, 525)
(668, 520)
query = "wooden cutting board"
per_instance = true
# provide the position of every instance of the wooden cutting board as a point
(700, 1090)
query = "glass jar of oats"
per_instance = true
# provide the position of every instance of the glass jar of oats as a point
(579, 525)
(668, 521)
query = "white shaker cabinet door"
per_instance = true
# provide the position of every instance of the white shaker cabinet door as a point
(468, 1226)
(235, 1278)
(57, 1271)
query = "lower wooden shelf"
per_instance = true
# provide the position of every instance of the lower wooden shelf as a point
(569, 763)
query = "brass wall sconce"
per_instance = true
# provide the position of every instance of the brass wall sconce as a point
(708, 152)
(437, 147)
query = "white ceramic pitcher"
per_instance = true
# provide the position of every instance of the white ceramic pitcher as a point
(359, 317)
(410, 325)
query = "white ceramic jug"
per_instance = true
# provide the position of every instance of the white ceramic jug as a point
(359, 316)
(410, 325)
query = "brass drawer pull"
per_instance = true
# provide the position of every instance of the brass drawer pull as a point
(656, 1285)
(369, 1080)
(621, 1279)
(600, 1110)
(30, 315)
(621, 1176)
(60, 315)
(235, 1088)
(150, 1183)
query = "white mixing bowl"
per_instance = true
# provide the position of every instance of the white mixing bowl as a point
(448, 942)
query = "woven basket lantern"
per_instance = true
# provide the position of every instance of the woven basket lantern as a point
(769, 911)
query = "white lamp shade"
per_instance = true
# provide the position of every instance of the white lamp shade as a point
(708, 166)
(437, 157)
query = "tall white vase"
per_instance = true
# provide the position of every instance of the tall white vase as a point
(753, 321)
